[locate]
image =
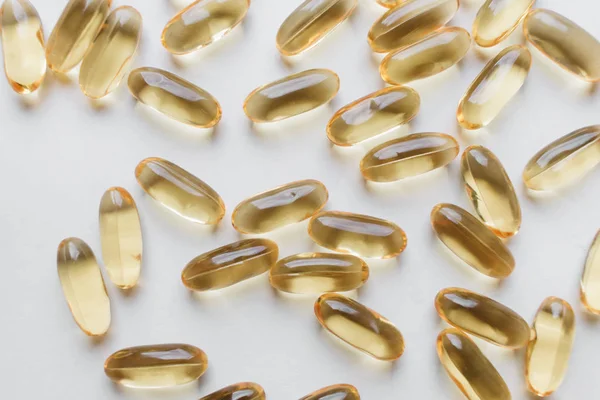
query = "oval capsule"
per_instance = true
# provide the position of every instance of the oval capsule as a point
(359, 326)
(373, 115)
(156, 366)
(590, 280)
(179, 191)
(496, 19)
(238, 391)
(334, 392)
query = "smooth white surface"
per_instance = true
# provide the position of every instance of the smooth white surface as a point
(59, 156)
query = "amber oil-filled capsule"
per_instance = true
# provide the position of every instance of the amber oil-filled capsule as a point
(156, 366)
(179, 191)
(373, 115)
(239, 391)
(334, 392)
(83, 286)
(496, 19)
(590, 280)
(359, 326)
(548, 353)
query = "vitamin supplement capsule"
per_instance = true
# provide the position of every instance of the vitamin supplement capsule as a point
(468, 368)
(179, 191)
(409, 22)
(292, 95)
(174, 97)
(276, 208)
(334, 392)
(471, 241)
(548, 353)
(230, 264)
(83, 286)
(74, 32)
(408, 156)
(373, 115)
(490, 190)
(496, 84)
(239, 391)
(359, 326)
(108, 59)
(156, 366)
(202, 23)
(590, 280)
(496, 19)
(362, 235)
(482, 317)
(22, 45)
(121, 237)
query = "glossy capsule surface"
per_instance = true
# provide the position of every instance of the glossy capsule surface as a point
(390, 3)
(373, 115)
(496, 19)
(359, 326)
(334, 392)
(156, 366)
(179, 191)
(590, 280)
(408, 156)
(238, 391)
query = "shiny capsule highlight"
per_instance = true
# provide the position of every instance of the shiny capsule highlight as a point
(590, 280)
(390, 3)
(238, 391)
(496, 19)
(334, 392)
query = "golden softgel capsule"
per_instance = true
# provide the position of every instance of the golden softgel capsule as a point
(156, 366)
(238, 391)
(492, 89)
(359, 326)
(22, 45)
(83, 286)
(408, 156)
(372, 115)
(590, 280)
(108, 59)
(179, 191)
(496, 19)
(276, 208)
(174, 97)
(548, 353)
(202, 23)
(334, 392)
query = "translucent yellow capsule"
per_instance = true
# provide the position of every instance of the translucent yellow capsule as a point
(175, 97)
(22, 45)
(334, 392)
(490, 190)
(408, 156)
(496, 84)
(108, 59)
(292, 95)
(74, 32)
(359, 326)
(83, 286)
(468, 368)
(276, 208)
(390, 3)
(471, 241)
(565, 160)
(548, 353)
(156, 366)
(239, 391)
(409, 22)
(373, 115)
(179, 191)
(482, 317)
(202, 23)
(362, 235)
(496, 19)
(590, 280)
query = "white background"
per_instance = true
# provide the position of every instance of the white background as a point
(58, 157)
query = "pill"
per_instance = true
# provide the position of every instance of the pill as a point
(496, 19)
(359, 326)
(590, 280)
(239, 391)
(276, 208)
(408, 156)
(372, 115)
(334, 392)
(179, 191)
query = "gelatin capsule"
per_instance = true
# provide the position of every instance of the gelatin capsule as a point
(471, 241)
(408, 156)
(179, 191)
(276, 208)
(108, 59)
(496, 84)
(311, 22)
(202, 23)
(590, 280)
(482, 317)
(22, 45)
(334, 392)
(496, 19)
(359, 326)
(490, 191)
(548, 353)
(409, 22)
(373, 115)
(239, 391)
(156, 366)
(174, 97)
(292, 95)
(362, 235)
(83, 286)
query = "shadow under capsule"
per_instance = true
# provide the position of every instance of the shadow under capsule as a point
(310, 120)
(161, 393)
(485, 54)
